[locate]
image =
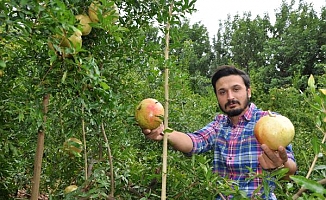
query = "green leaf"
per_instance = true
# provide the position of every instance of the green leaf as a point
(311, 82)
(53, 58)
(204, 167)
(64, 77)
(266, 187)
(104, 86)
(315, 145)
(323, 146)
(309, 184)
(2, 64)
(318, 167)
(323, 91)
(280, 172)
(168, 130)
(118, 39)
(123, 29)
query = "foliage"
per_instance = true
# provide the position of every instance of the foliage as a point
(118, 65)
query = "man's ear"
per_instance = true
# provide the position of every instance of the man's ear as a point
(249, 92)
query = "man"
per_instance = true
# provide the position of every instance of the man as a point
(230, 135)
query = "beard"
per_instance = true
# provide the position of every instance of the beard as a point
(237, 111)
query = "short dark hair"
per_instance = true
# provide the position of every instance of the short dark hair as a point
(226, 70)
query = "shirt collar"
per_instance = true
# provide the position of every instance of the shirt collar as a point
(250, 111)
(246, 116)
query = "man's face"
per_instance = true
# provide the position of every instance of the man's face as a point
(232, 95)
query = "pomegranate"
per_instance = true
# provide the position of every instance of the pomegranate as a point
(149, 113)
(274, 131)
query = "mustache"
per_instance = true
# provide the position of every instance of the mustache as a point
(232, 101)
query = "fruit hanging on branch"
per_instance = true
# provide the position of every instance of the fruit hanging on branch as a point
(149, 113)
(70, 188)
(96, 8)
(84, 20)
(274, 131)
(73, 147)
(75, 39)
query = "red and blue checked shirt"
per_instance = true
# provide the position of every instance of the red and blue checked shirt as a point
(235, 148)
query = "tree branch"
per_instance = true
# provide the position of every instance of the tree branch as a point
(39, 151)
(110, 161)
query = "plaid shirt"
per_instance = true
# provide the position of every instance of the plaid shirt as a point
(235, 148)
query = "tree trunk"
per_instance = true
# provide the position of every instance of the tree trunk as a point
(39, 152)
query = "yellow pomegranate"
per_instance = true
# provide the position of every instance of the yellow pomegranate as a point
(84, 20)
(274, 131)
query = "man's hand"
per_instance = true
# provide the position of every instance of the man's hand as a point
(179, 140)
(155, 134)
(271, 159)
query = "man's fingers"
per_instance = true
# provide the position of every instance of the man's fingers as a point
(154, 136)
(282, 154)
(278, 157)
(270, 158)
(269, 153)
(149, 131)
(262, 161)
(146, 131)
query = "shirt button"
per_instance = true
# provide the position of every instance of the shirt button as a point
(230, 158)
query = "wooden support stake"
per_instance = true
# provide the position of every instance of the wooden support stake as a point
(166, 95)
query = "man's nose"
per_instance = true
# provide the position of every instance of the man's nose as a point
(230, 95)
